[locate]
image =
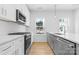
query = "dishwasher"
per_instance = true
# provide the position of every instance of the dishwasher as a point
(64, 47)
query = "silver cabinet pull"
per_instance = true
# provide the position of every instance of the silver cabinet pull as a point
(2, 11)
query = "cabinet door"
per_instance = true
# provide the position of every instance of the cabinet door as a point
(50, 40)
(10, 12)
(7, 49)
(19, 46)
(53, 39)
(27, 14)
(2, 13)
(77, 45)
(0, 10)
(21, 49)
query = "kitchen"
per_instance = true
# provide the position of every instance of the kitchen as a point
(39, 29)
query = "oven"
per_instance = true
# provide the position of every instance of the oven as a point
(27, 44)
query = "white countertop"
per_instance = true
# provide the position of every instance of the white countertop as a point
(7, 38)
(69, 36)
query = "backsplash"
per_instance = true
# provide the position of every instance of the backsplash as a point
(8, 27)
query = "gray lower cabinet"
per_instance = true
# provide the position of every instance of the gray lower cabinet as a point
(50, 40)
(77, 49)
(60, 46)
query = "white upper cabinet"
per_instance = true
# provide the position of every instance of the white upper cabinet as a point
(27, 13)
(1, 10)
(7, 12)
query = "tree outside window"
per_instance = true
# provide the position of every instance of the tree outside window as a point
(39, 25)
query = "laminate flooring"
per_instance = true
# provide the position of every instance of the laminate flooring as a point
(40, 48)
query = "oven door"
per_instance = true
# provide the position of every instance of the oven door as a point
(27, 43)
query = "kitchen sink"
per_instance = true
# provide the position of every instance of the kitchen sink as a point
(59, 34)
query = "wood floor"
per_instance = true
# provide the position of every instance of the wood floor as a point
(40, 48)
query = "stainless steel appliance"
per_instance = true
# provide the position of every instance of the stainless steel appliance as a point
(27, 40)
(20, 17)
(61, 46)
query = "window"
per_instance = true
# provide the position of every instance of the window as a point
(63, 25)
(40, 25)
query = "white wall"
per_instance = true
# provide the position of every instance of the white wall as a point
(70, 17)
(27, 13)
(51, 24)
(8, 27)
(77, 21)
(49, 21)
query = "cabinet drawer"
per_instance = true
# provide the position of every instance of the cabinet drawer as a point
(6, 46)
(9, 51)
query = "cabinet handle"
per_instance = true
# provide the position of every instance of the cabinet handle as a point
(5, 12)
(59, 39)
(71, 46)
(2, 11)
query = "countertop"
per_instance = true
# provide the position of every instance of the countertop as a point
(7, 38)
(69, 36)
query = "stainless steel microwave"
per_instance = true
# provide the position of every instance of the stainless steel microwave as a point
(20, 17)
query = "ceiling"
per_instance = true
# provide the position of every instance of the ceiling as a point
(50, 7)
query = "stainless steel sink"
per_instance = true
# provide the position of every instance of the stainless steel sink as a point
(59, 34)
